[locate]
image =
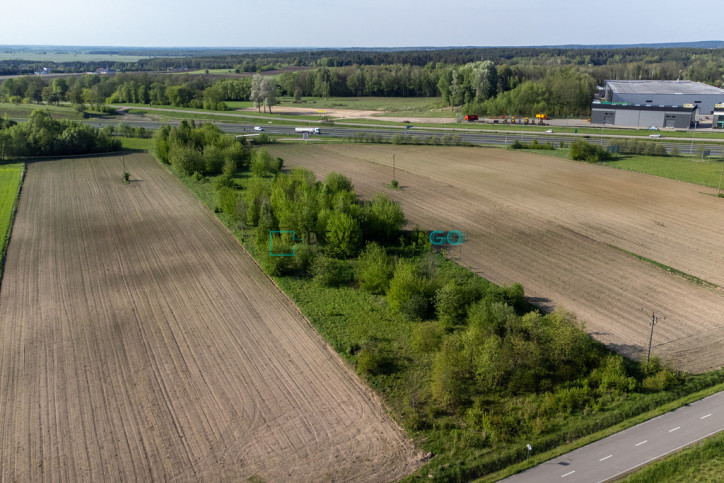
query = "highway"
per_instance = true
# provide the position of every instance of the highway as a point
(622, 452)
(476, 137)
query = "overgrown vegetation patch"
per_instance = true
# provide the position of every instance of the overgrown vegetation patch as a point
(469, 368)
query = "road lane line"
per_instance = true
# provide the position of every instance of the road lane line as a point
(704, 417)
(663, 454)
(569, 473)
(672, 430)
(607, 457)
(642, 442)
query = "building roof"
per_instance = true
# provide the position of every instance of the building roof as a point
(662, 87)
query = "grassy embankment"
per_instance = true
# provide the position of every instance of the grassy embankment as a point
(10, 179)
(348, 318)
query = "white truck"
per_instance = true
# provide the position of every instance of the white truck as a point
(309, 130)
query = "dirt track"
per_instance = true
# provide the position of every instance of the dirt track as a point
(138, 342)
(549, 223)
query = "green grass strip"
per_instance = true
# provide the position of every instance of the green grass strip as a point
(11, 179)
(689, 277)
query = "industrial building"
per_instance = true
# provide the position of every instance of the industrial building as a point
(678, 117)
(665, 93)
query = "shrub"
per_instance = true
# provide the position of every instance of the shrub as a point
(374, 269)
(262, 163)
(305, 255)
(409, 292)
(343, 235)
(427, 337)
(385, 218)
(450, 304)
(185, 159)
(592, 153)
(370, 360)
(330, 272)
(213, 159)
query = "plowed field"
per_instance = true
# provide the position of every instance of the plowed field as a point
(552, 225)
(139, 342)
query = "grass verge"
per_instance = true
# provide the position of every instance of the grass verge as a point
(11, 177)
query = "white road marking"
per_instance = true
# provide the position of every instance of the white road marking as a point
(642, 442)
(704, 417)
(569, 473)
(672, 430)
(607, 457)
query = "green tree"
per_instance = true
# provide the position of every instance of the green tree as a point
(343, 235)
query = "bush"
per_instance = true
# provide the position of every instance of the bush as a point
(427, 337)
(409, 292)
(185, 159)
(370, 360)
(213, 160)
(450, 304)
(262, 163)
(592, 153)
(374, 269)
(330, 272)
(343, 235)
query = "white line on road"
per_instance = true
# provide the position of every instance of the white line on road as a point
(569, 473)
(704, 417)
(672, 430)
(642, 442)
(607, 457)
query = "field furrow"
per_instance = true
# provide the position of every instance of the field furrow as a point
(139, 342)
(552, 226)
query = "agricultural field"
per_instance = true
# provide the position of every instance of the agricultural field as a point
(139, 341)
(10, 178)
(602, 243)
(50, 55)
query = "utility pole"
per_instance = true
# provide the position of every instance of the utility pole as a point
(718, 193)
(393, 167)
(691, 149)
(654, 321)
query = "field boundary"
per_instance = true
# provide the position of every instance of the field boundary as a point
(8, 235)
(672, 270)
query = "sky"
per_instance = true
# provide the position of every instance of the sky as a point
(358, 23)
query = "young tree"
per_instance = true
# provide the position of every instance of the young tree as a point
(269, 90)
(343, 235)
(257, 92)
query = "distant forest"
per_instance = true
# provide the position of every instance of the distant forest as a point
(698, 64)
(487, 81)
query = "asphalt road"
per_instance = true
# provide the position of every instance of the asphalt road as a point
(622, 452)
(475, 137)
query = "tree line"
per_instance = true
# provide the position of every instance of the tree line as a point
(700, 64)
(44, 136)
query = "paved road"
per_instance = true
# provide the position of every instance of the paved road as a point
(473, 137)
(685, 146)
(634, 447)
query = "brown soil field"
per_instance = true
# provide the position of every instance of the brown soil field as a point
(552, 225)
(138, 341)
